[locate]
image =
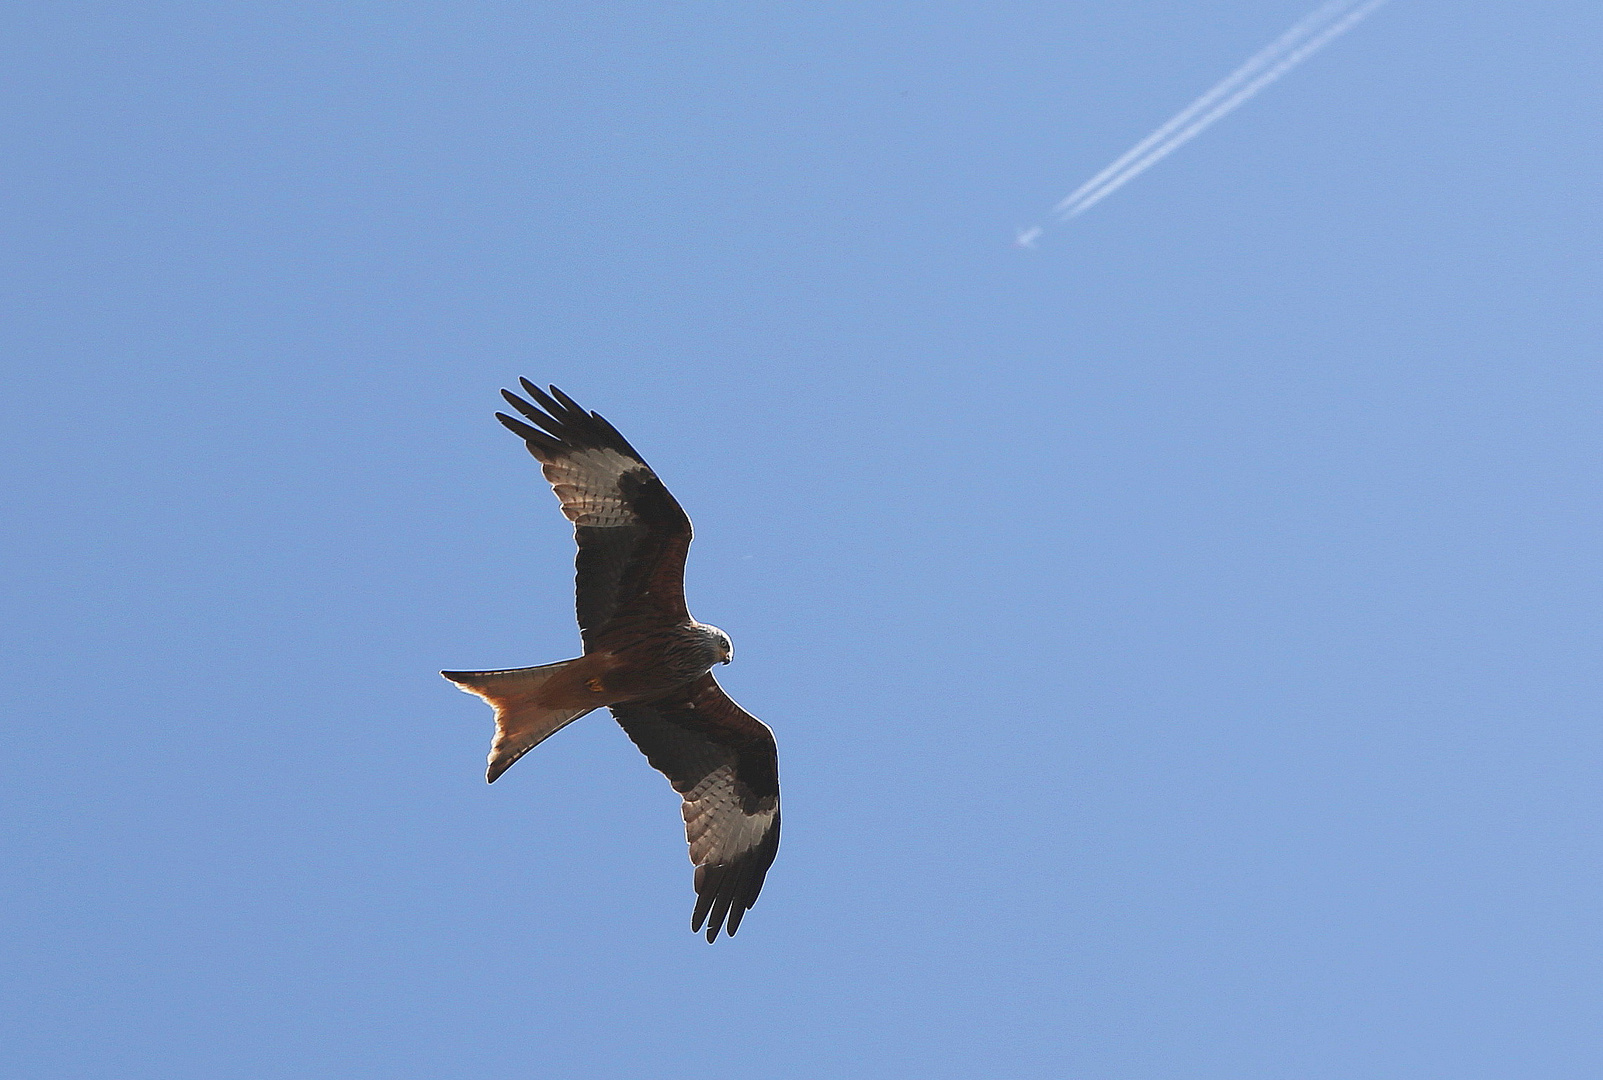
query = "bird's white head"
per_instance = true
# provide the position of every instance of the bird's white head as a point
(724, 648)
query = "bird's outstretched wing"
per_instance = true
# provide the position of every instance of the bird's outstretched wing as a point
(632, 534)
(722, 761)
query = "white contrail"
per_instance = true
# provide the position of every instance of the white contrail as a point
(1310, 34)
(1073, 207)
(1265, 56)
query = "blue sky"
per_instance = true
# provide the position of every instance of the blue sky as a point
(1182, 639)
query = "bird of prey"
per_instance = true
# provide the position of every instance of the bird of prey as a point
(644, 657)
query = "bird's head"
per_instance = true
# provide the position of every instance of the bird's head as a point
(724, 648)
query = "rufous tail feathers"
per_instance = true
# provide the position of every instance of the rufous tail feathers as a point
(523, 720)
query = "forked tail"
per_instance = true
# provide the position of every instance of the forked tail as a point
(522, 720)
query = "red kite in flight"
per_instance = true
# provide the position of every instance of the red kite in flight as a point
(644, 658)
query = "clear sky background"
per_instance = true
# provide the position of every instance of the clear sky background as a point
(1183, 639)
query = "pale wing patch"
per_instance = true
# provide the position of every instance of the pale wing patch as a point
(718, 829)
(588, 484)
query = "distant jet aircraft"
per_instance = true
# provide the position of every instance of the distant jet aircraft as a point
(1027, 237)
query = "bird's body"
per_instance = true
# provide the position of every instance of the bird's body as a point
(644, 657)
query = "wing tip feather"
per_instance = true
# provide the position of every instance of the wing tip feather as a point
(567, 425)
(726, 891)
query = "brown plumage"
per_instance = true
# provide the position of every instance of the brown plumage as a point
(644, 657)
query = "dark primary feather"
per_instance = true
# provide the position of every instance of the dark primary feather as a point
(723, 762)
(631, 532)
